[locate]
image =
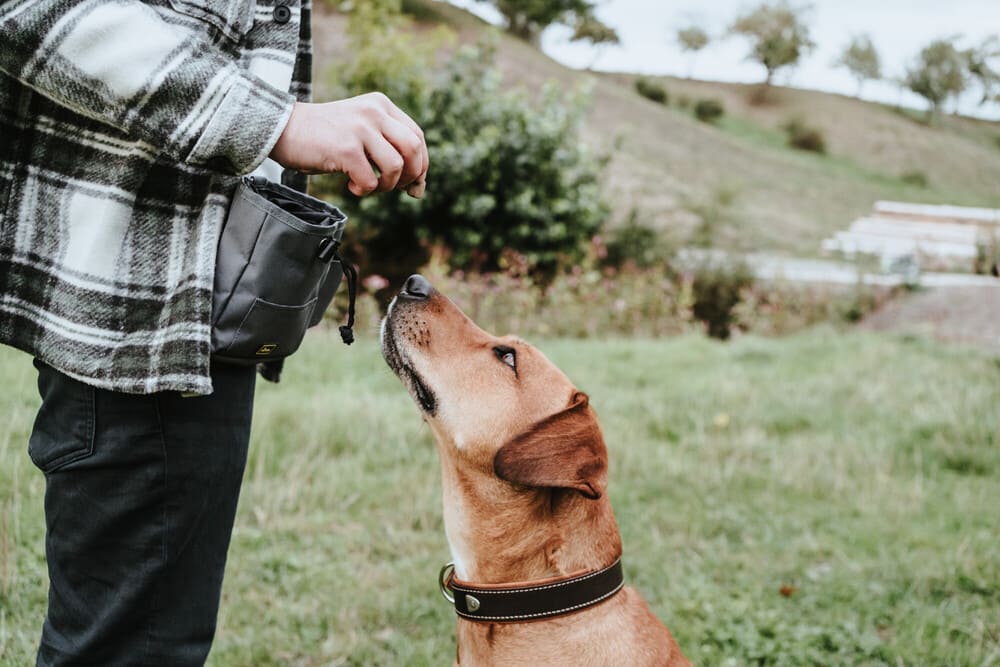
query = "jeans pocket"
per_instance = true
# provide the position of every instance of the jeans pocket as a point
(64, 427)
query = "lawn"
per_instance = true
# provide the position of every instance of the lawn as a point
(825, 499)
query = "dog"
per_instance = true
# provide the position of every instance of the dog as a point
(536, 578)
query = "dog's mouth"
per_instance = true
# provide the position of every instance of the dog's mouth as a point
(422, 394)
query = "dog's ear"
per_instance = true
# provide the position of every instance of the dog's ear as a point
(565, 450)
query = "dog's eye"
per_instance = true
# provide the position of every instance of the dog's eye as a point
(506, 355)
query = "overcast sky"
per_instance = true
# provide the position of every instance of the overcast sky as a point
(899, 29)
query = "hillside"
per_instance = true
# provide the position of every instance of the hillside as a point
(666, 165)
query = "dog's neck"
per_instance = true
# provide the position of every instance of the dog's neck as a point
(499, 534)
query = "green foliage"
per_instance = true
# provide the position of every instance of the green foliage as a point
(983, 68)
(778, 35)
(692, 38)
(915, 177)
(506, 173)
(588, 29)
(861, 58)
(708, 110)
(938, 73)
(802, 136)
(652, 90)
(528, 18)
(718, 287)
(637, 245)
(714, 211)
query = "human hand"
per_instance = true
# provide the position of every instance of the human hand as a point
(356, 136)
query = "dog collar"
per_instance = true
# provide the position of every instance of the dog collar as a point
(531, 601)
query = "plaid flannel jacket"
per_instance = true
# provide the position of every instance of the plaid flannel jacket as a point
(123, 126)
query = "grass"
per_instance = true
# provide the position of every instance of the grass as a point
(825, 499)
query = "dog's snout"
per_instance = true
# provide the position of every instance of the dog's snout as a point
(416, 287)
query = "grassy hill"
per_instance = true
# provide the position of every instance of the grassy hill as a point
(668, 167)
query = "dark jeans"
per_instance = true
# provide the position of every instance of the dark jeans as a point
(140, 498)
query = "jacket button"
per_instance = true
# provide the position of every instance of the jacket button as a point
(282, 14)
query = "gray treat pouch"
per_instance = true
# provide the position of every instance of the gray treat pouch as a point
(276, 271)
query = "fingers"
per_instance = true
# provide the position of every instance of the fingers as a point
(390, 162)
(362, 178)
(408, 122)
(411, 149)
(356, 136)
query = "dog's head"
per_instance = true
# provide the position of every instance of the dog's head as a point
(495, 404)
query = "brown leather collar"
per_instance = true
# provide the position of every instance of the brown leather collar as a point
(531, 601)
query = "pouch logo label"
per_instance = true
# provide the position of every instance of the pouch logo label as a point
(266, 349)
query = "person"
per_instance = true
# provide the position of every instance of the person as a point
(124, 126)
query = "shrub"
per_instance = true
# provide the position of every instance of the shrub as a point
(708, 110)
(804, 137)
(714, 211)
(637, 245)
(717, 288)
(685, 102)
(508, 173)
(652, 90)
(914, 177)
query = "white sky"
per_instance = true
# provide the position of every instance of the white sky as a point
(898, 28)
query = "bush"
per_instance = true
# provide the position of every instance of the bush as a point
(636, 245)
(708, 110)
(914, 177)
(652, 90)
(804, 137)
(716, 289)
(507, 174)
(714, 211)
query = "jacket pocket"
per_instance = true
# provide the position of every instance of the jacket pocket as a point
(231, 18)
(64, 428)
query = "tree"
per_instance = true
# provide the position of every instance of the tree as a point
(778, 34)
(938, 73)
(693, 39)
(528, 18)
(862, 59)
(589, 29)
(983, 68)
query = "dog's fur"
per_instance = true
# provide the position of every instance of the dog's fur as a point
(524, 469)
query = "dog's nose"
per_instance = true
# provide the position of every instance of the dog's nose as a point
(417, 287)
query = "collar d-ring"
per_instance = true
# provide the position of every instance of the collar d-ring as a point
(444, 581)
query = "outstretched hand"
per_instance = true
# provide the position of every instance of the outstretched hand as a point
(356, 136)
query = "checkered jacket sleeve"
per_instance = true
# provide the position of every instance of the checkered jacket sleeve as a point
(141, 68)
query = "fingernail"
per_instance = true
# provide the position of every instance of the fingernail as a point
(416, 190)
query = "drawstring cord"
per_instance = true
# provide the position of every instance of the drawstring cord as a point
(328, 252)
(351, 276)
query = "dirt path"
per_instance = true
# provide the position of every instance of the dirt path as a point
(969, 315)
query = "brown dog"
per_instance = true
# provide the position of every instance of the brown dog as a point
(524, 470)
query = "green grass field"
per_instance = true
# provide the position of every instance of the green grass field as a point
(858, 474)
